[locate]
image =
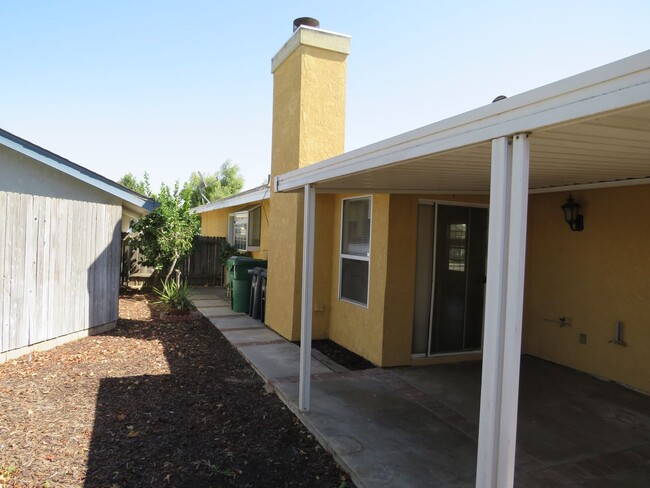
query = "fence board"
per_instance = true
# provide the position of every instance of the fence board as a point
(39, 333)
(59, 267)
(4, 274)
(202, 267)
(116, 246)
(19, 211)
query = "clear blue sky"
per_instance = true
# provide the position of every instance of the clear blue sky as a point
(171, 87)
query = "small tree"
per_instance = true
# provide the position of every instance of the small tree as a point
(131, 182)
(223, 183)
(166, 235)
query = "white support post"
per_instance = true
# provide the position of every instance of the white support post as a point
(486, 469)
(514, 308)
(503, 312)
(307, 298)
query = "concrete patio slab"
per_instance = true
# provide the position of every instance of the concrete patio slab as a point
(418, 426)
(383, 438)
(208, 292)
(236, 322)
(274, 361)
(204, 292)
(211, 312)
(248, 336)
(211, 302)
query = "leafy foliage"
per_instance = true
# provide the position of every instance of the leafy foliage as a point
(175, 294)
(223, 183)
(132, 183)
(228, 250)
(166, 235)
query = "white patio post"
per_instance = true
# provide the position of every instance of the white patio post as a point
(307, 298)
(503, 312)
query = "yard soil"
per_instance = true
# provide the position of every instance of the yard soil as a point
(151, 403)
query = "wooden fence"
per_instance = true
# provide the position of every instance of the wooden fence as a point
(202, 267)
(59, 267)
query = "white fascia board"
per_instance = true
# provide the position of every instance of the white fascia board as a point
(234, 201)
(315, 37)
(615, 86)
(75, 171)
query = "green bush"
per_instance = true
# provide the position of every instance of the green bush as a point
(175, 294)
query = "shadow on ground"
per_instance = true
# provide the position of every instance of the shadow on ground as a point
(206, 423)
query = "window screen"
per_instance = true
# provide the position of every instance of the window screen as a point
(355, 250)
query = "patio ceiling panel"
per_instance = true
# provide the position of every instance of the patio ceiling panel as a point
(604, 151)
(589, 129)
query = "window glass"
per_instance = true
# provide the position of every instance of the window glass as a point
(254, 226)
(457, 234)
(354, 280)
(356, 227)
(239, 224)
(355, 250)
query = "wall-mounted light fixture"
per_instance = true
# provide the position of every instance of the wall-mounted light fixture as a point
(572, 215)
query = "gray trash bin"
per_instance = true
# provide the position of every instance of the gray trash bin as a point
(255, 302)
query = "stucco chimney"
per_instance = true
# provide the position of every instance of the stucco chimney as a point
(309, 74)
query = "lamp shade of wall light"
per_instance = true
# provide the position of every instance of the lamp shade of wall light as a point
(572, 215)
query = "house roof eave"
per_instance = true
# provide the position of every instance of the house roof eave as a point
(76, 171)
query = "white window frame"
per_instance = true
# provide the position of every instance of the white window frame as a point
(355, 257)
(231, 217)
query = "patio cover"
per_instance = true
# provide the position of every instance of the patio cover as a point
(588, 131)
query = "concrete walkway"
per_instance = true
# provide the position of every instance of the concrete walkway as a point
(417, 427)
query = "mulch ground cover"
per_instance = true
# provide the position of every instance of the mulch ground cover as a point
(341, 355)
(151, 403)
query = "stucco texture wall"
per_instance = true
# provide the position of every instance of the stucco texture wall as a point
(400, 280)
(308, 126)
(382, 332)
(215, 224)
(357, 328)
(595, 278)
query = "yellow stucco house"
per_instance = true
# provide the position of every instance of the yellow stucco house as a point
(242, 218)
(401, 253)
(520, 227)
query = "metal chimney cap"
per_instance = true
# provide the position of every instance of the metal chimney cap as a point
(308, 21)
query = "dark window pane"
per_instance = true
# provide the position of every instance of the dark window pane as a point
(254, 226)
(354, 280)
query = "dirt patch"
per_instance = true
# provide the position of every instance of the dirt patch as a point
(151, 403)
(340, 355)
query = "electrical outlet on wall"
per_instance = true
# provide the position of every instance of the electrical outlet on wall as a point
(583, 338)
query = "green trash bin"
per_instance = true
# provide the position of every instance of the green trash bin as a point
(240, 280)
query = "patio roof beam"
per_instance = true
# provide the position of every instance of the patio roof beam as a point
(608, 89)
(503, 312)
(309, 217)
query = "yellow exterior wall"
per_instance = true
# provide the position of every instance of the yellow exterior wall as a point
(382, 333)
(400, 281)
(595, 278)
(215, 224)
(308, 126)
(355, 327)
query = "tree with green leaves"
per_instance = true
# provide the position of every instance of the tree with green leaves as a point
(167, 235)
(132, 183)
(204, 188)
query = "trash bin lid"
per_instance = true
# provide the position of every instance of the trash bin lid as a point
(242, 264)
